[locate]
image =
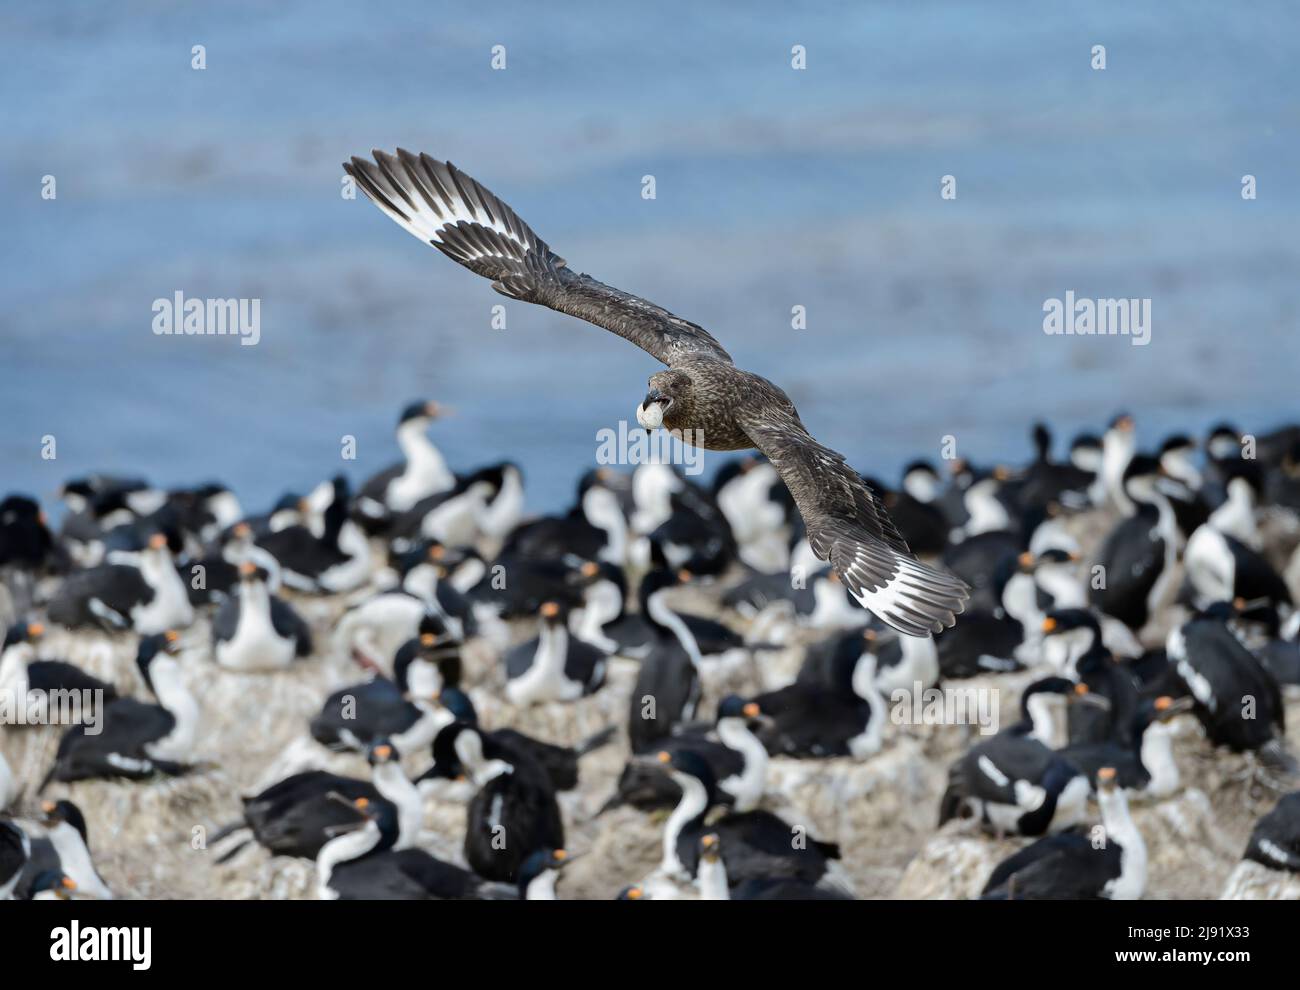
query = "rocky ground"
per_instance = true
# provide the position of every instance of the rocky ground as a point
(151, 840)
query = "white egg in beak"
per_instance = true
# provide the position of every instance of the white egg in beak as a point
(651, 417)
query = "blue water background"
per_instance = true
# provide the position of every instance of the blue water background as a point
(774, 187)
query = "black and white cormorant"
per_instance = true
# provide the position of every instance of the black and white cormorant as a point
(326, 551)
(26, 544)
(440, 580)
(554, 666)
(53, 885)
(748, 492)
(1221, 568)
(1045, 706)
(755, 844)
(423, 471)
(712, 638)
(532, 581)
(667, 687)
(1243, 484)
(695, 534)
(255, 630)
(293, 816)
(1085, 453)
(1238, 702)
(1223, 447)
(734, 753)
(359, 862)
(373, 629)
(540, 872)
(600, 617)
(915, 512)
(1190, 505)
(402, 709)
(559, 762)
(239, 545)
(714, 885)
(21, 672)
(1146, 764)
(486, 503)
(1280, 652)
(819, 599)
(1275, 840)
(137, 740)
(1042, 582)
(1072, 646)
(902, 662)
(1014, 783)
(1137, 558)
(96, 504)
(595, 528)
(841, 715)
(513, 810)
(988, 522)
(15, 850)
(1047, 481)
(64, 847)
(211, 576)
(288, 510)
(989, 638)
(1081, 864)
(1118, 448)
(1057, 585)
(147, 596)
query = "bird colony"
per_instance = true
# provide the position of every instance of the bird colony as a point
(415, 689)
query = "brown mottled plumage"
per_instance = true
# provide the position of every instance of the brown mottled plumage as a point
(703, 398)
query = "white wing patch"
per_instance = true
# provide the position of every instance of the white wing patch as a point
(1273, 851)
(127, 763)
(991, 771)
(106, 613)
(1201, 688)
(424, 206)
(1029, 796)
(494, 814)
(369, 506)
(906, 600)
